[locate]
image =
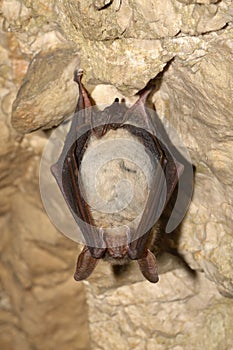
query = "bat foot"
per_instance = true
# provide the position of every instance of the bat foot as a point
(78, 75)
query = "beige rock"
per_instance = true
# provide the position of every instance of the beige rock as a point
(37, 281)
(31, 295)
(49, 78)
(201, 109)
(170, 314)
(148, 19)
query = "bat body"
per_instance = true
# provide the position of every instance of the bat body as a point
(128, 245)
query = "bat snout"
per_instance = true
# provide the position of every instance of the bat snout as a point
(117, 252)
(117, 255)
(116, 245)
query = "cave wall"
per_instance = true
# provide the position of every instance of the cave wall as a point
(120, 45)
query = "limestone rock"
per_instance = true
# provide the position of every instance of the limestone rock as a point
(200, 105)
(170, 314)
(147, 19)
(35, 288)
(49, 79)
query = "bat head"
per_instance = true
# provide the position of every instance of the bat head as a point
(117, 245)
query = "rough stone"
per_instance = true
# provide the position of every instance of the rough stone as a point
(170, 314)
(49, 79)
(201, 109)
(38, 291)
(35, 289)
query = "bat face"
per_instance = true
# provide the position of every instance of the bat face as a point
(129, 244)
(117, 247)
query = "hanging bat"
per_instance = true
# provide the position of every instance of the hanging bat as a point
(99, 244)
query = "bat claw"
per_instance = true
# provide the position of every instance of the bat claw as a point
(78, 74)
(80, 71)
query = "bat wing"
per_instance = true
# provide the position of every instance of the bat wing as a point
(165, 178)
(67, 175)
(66, 172)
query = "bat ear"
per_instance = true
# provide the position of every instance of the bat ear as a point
(148, 267)
(85, 265)
(84, 100)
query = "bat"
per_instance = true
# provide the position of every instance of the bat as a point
(99, 244)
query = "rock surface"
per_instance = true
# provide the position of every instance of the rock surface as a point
(40, 304)
(48, 81)
(121, 45)
(206, 115)
(170, 314)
